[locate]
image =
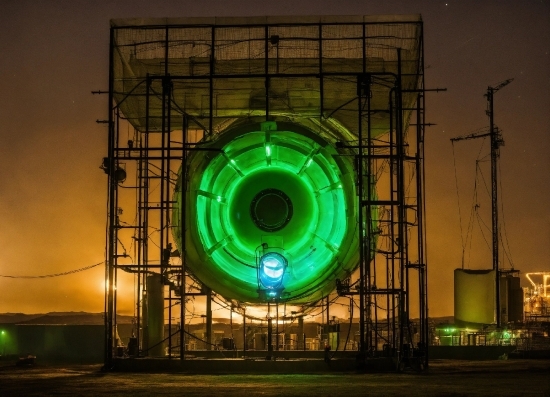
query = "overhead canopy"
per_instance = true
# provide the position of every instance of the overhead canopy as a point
(219, 69)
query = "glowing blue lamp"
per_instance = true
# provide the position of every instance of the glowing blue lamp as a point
(271, 271)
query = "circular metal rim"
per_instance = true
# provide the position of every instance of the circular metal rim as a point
(259, 222)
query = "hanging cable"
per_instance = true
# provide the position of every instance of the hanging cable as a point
(57, 274)
(507, 252)
(481, 224)
(459, 211)
(475, 216)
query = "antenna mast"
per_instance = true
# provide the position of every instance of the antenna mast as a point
(496, 143)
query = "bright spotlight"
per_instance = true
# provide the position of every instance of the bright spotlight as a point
(271, 270)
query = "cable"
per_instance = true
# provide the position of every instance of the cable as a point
(483, 179)
(481, 223)
(508, 253)
(57, 274)
(459, 211)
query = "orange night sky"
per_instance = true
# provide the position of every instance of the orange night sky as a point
(53, 194)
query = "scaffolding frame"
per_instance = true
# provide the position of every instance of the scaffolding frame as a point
(369, 121)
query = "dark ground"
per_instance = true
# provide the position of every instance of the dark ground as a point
(444, 378)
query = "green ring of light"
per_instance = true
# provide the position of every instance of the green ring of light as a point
(319, 241)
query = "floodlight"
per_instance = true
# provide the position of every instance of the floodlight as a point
(271, 271)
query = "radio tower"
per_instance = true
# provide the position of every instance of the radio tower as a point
(496, 142)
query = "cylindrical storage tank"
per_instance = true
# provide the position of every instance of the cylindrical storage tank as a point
(269, 203)
(154, 330)
(511, 299)
(474, 293)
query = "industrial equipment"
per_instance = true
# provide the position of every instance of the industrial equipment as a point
(267, 162)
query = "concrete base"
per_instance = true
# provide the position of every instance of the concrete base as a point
(296, 362)
(251, 365)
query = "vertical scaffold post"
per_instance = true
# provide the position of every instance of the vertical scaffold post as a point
(111, 240)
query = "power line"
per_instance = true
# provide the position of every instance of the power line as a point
(57, 274)
(459, 211)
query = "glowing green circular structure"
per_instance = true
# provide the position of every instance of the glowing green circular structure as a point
(270, 187)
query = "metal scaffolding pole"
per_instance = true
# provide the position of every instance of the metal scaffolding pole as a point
(164, 95)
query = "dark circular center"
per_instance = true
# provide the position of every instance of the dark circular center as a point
(271, 210)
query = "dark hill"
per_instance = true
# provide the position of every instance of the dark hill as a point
(76, 318)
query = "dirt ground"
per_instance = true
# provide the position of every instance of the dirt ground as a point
(444, 378)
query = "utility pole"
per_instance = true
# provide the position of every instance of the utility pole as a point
(496, 142)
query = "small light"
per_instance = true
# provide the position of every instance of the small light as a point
(107, 286)
(268, 151)
(309, 162)
(219, 199)
(233, 162)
